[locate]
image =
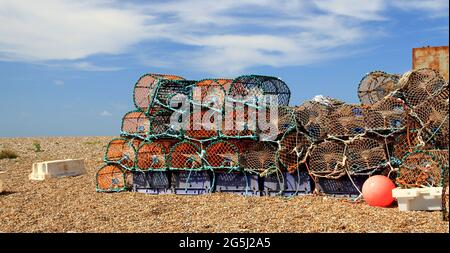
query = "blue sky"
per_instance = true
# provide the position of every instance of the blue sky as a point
(69, 67)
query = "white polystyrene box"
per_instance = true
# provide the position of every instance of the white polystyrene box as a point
(58, 168)
(419, 199)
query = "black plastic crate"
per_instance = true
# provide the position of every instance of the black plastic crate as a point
(191, 182)
(237, 182)
(298, 183)
(152, 182)
(341, 187)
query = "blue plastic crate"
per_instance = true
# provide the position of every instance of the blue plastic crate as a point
(152, 182)
(191, 182)
(237, 182)
(341, 187)
(298, 183)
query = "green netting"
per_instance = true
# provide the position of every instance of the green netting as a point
(145, 88)
(122, 151)
(255, 86)
(162, 127)
(422, 168)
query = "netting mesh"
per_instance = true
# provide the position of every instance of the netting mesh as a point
(388, 114)
(259, 157)
(145, 89)
(293, 149)
(151, 156)
(254, 86)
(185, 155)
(420, 85)
(203, 125)
(327, 159)
(364, 156)
(161, 125)
(347, 120)
(239, 124)
(222, 155)
(420, 169)
(135, 124)
(213, 92)
(122, 151)
(374, 86)
(311, 116)
(111, 178)
(167, 89)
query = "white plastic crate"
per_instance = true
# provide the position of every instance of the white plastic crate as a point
(419, 199)
(58, 168)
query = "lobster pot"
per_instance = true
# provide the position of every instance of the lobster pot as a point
(293, 149)
(122, 151)
(185, 155)
(168, 89)
(311, 116)
(327, 159)
(239, 123)
(256, 86)
(420, 168)
(420, 85)
(365, 156)
(204, 124)
(278, 121)
(376, 85)
(347, 120)
(433, 117)
(135, 124)
(111, 178)
(151, 156)
(408, 140)
(387, 115)
(210, 93)
(259, 157)
(222, 155)
(145, 88)
(166, 123)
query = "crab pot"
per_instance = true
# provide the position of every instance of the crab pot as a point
(237, 183)
(341, 187)
(152, 182)
(286, 184)
(191, 182)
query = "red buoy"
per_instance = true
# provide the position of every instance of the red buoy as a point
(377, 191)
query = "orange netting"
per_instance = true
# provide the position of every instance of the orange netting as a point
(185, 155)
(222, 154)
(111, 178)
(151, 156)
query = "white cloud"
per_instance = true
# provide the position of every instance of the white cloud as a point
(435, 8)
(58, 82)
(68, 30)
(105, 114)
(367, 10)
(88, 66)
(225, 37)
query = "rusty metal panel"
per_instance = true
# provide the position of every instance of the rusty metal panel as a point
(432, 57)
